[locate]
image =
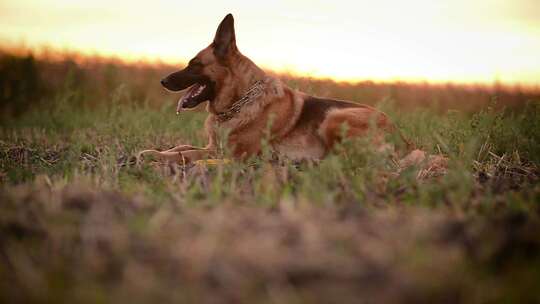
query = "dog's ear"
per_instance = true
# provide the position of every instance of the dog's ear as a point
(225, 39)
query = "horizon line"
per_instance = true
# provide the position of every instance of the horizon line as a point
(43, 50)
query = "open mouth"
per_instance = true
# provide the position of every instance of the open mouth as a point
(197, 93)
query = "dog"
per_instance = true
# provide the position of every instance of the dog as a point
(251, 105)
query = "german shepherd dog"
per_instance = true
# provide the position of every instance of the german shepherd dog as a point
(247, 102)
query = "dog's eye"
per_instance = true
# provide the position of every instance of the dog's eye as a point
(195, 62)
(195, 65)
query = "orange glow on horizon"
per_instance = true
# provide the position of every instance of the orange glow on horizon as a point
(436, 41)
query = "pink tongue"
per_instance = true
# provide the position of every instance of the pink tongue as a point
(186, 96)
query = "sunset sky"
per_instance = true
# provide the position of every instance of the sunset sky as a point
(453, 40)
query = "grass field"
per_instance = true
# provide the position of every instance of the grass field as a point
(81, 222)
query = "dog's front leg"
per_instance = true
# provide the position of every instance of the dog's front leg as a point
(210, 150)
(187, 153)
(181, 148)
(179, 156)
(198, 154)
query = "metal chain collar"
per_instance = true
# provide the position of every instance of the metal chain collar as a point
(253, 93)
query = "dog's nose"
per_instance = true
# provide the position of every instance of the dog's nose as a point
(163, 81)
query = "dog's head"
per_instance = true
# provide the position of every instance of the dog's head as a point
(205, 73)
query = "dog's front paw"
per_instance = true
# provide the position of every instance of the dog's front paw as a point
(167, 157)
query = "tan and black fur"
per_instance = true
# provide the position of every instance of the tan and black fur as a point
(301, 126)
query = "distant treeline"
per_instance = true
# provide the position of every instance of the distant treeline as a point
(28, 81)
